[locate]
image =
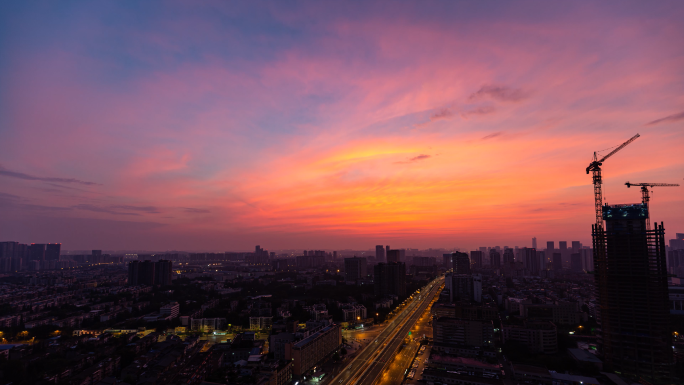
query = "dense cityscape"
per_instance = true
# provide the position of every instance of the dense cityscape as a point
(495, 315)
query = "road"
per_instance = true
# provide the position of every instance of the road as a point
(398, 369)
(367, 366)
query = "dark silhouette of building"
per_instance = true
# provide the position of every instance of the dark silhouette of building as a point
(284, 264)
(37, 252)
(163, 270)
(447, 260)
(557, 262)
(144, 273)
(461, 262)
(565, 253)
(476, 258)
(52, 251)
(530, 259)
(508, 257)
(631, 287)
(390, 278)
(461, 287)
(494, 259)
(379, 253)
(355, 268)
(576, 262)
(393, 256)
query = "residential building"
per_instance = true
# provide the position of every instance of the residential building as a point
(390, 279)
(313, 350)
(355, 269)
(538, 336)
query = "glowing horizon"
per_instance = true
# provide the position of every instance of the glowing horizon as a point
(220, 126)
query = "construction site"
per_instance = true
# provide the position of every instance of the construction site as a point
(631, 281)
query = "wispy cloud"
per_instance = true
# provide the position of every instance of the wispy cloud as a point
(145, 209)
(195, 210)
(21, 175)
(442, 113)
(499, 93)
(99, 209)
(416, 158)
(484, 110)
(668, 119)
(492, 136)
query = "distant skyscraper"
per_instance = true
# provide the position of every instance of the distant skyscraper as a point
(37, 252)
(52, 251)
(379, 253)
(557, 262)
(531, 260)
(476, 258)
(576, 246)
(631, 287)
(494, 259)
(355, 268)
(387, 249)
(141, 273)
(393, 256)
(390, 278)
(550, 247)
(163, 272)
(534, 243)
(576, 262)
(461, 287)
(565, 253)
(508, 257)
(461, 263)
(477, 287)
(448, 261)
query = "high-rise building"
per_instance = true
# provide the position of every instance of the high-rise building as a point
(476, 258)
(163, 272)
(631, 286)
(142, 273)
(508, 257)
(576, 262)
(576, 246)
(477, 287)
(534, 242)
(37, 252)
(355, 268)
(393, 256)
(494, 259)
(550, 248)
(447, 260)
(52, 251)
(557, 262)
(461, 287)
(387, 249)
(390, 278)
(461, 262)
(379, 253)
(565, 253)
(531, 260)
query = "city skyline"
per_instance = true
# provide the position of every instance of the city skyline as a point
(221, 126)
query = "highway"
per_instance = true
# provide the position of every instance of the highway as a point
(368, 365)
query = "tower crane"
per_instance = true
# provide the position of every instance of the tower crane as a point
(595, 168)
(645, 197)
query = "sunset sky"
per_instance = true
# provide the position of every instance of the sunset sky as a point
(222, 125)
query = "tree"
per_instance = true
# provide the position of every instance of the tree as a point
(343, 351)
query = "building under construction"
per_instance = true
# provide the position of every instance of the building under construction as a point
(631, 285)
